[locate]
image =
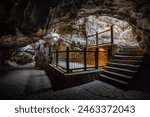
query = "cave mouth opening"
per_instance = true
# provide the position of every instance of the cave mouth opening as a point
(76, 35)
(76, 32)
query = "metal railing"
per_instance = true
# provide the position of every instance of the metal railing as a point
(111, 30)
(77, 60)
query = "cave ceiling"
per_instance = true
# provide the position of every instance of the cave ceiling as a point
(32, 16)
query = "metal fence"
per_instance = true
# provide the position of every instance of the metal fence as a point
(97, 42)
(77, 60)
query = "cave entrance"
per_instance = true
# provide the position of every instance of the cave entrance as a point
(76, 32)
(86, 32)
(122, 30)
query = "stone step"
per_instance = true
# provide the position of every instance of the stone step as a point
(113, 81)
(127, 57)
(130, 53)
(124, 66)
(131, 49)
(120, 70)
(133, 62)
(131, 46)
(118, 76)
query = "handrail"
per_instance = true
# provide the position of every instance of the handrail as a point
(69, 57)
(99, 33)
(77, 51)
(85, 52)
(70, 43)
(97, 43)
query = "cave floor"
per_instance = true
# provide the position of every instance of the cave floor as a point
(34, 84)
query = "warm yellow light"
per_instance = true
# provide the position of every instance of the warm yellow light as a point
(102, 49)
(102, 56)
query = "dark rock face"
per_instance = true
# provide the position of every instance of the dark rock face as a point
(30, 15)
(12, 15)
(2, 56)
(36, 15)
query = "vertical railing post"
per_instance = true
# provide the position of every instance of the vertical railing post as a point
(96, 57)
(85, 59)
(67, 60)
(109, 53)
(112, 42)
(57, 58)
(96, 39)
(86, 40)
(112, 35)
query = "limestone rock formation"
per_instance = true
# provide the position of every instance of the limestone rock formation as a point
(31, 15)
(77, 32)
(22, 58)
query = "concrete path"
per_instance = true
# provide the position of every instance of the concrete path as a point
(35, 84)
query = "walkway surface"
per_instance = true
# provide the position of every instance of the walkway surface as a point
(73, 65)
(33, 83)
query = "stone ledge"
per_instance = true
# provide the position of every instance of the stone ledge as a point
(61, 80)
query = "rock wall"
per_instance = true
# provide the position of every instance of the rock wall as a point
(31, 15)
(2, 56)
(27, 15)
(135, 12)
(77, 31)
(12, 15)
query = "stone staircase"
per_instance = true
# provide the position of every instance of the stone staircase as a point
(122, 67)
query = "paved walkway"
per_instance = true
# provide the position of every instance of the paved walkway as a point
(35, 84)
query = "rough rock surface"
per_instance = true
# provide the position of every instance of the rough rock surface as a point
(77, 32)
(26, 15)
(22, 58)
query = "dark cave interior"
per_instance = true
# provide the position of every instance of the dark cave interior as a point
(24, 22)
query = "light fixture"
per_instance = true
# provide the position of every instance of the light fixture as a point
(55, 39)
